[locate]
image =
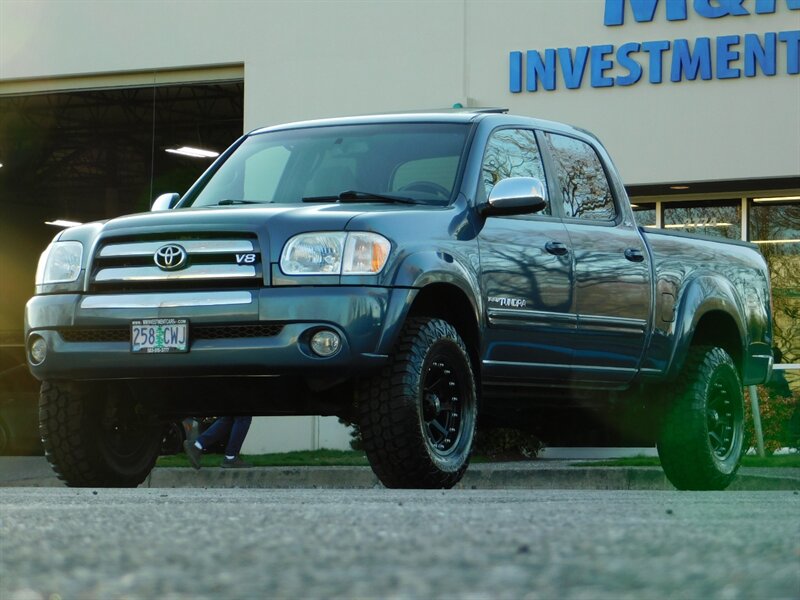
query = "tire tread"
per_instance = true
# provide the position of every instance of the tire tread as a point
(388, 414)
(683, 447)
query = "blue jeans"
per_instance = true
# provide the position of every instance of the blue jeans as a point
(233, 428)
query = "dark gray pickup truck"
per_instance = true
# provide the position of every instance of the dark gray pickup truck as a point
(415, 274)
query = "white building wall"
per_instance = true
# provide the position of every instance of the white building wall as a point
(289, 434)
(669, 132)
(327, 57)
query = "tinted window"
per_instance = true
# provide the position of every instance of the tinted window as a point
(511, 153)
(415, 160)
(438, 171)
(580, 175)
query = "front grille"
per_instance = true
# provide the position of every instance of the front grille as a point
(96, 335)
(218, 332)
(210, 261)
(196, 332)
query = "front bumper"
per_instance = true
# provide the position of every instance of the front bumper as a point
(255, 332)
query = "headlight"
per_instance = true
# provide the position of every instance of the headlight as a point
(335, 253)
(60, 263)
(365, 253)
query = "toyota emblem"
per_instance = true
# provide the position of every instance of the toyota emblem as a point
(170, 257)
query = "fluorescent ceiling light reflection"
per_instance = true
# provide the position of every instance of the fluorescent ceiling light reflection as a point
(677, 225)
(776, 199)
(62, 223)
(193, 152)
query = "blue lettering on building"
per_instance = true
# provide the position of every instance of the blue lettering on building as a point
(723, 57)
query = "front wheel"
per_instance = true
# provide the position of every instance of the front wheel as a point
(418, 416)
(97, 435)
(702, 436)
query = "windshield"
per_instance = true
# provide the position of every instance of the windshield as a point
(408, 162)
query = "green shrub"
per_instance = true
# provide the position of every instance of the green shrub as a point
(779, 419)
(494, 444)
(506, 444)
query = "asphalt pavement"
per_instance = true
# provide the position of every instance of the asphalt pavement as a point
(554, 474)
(231, 544)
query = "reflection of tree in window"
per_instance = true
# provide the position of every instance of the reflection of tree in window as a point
(776, 230)
(584, 187)
(644, 213)
(511, 153)
(716, 218)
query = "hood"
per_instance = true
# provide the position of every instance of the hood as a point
(273, 224)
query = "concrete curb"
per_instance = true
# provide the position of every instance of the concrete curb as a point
(478, 477)
(537, 475)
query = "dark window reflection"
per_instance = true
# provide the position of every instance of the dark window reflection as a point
(96, 154)
(775, 227)
(715, 218)
(583, 183)
(645, 214)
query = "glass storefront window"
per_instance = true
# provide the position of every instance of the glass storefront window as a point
(645, 213)
(715, 218)
(775, 227)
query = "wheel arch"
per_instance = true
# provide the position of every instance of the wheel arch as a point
(444, 287)
(450, 302)
(710, 314)
(719, 328)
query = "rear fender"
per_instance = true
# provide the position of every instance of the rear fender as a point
(703, 296)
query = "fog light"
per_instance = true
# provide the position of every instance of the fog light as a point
(38, 350)
(325, 343)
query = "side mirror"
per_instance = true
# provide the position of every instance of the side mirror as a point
(515, 196)
(165, 201)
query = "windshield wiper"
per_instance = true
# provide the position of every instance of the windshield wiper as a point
(229, 202)
(358, 196)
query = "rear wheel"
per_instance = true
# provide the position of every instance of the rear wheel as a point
(702, 436)
(418, 416)
(97, 435)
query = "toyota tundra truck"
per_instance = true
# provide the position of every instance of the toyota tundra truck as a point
(416, 274)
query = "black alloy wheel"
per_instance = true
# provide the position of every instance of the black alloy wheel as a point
(444, 393)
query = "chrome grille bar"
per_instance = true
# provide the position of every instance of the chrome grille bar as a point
(191, 246)
(143, 274)
(168, 300)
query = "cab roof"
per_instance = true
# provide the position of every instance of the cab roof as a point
(499, 116)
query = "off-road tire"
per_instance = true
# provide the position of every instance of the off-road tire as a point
(415, 436)
(96, 435)
(702, 435)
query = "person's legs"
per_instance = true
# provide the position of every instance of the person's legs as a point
(218, 432)
(239, 429)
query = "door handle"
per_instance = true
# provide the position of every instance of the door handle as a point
(556, 248)
(634, 255)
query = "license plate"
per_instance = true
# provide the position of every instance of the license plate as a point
(156, 336)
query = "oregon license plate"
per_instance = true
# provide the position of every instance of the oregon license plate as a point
(156, 336)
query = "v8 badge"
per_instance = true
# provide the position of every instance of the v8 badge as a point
(245, 259)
